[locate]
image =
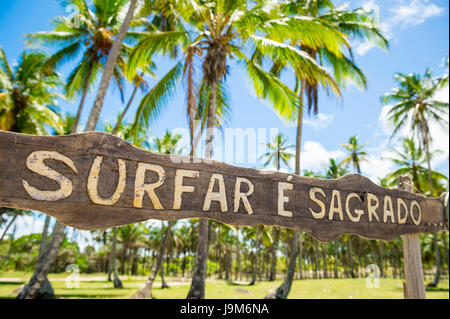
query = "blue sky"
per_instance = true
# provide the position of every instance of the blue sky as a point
(418, 31)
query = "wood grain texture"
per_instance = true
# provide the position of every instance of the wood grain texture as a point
(414, 284)
(112, 183)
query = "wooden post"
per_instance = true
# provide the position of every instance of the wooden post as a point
(414, 285)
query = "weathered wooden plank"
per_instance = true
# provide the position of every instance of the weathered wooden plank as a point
(414, 284)
(96, 180)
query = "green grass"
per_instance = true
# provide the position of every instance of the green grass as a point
(96, 286)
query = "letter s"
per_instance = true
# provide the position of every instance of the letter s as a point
(35, 163)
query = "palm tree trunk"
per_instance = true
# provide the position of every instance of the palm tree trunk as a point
(437, 253)
(197, 289)
(110, 262)
(300, 256)
(444, 239)
(283, 290)
(316, 259)
(274, 249)
(146, 291)
(83, 97)
(164, 284)
(32, 288)
(117, 282)
(435, 239)
(325, 264)
(109, 69)
(298, 143)
(335, 267)
(227, 263)
(238, 275)
(350, 256)
(122, 116)
(7, 227)
(255, 264)
(381, 254)
(44, 235)
(8, 255)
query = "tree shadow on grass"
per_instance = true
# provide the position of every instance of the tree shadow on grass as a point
(436, 289)
(85, 296)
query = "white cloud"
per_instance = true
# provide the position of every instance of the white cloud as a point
(377, 166)
(442, 95)
(415, 12)
(319, 122)
(405, 14)
(364, 47)
(27, 225)
(439, 134)
(314, 156)
(440, 143)
(385, 123)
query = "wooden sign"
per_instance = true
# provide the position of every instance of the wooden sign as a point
(95, 180)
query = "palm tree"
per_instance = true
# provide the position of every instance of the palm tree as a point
(415, 108)
(139, 83)
(410, 159)
(278, 152)
(94, 38)
(27, 98)
(123, 131)
(354, 24)
(113, 58)
(27, 104)
(222, 29)
(168, 144)
(356, 153)
(131, 238)
(108, 11)
(335, 171)
(13, 213)
(351, 23)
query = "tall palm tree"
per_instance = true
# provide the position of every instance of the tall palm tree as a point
(223, 27)
(335, 171)
(356, 153)
(168, 144)
(27, 95)
(353, 24)
(415, 108)
(355, 157)
(93, 37)
(111, 61)
(278, 153)
(106, 10)
(123, 130)
(27, 104)
(13, 213)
